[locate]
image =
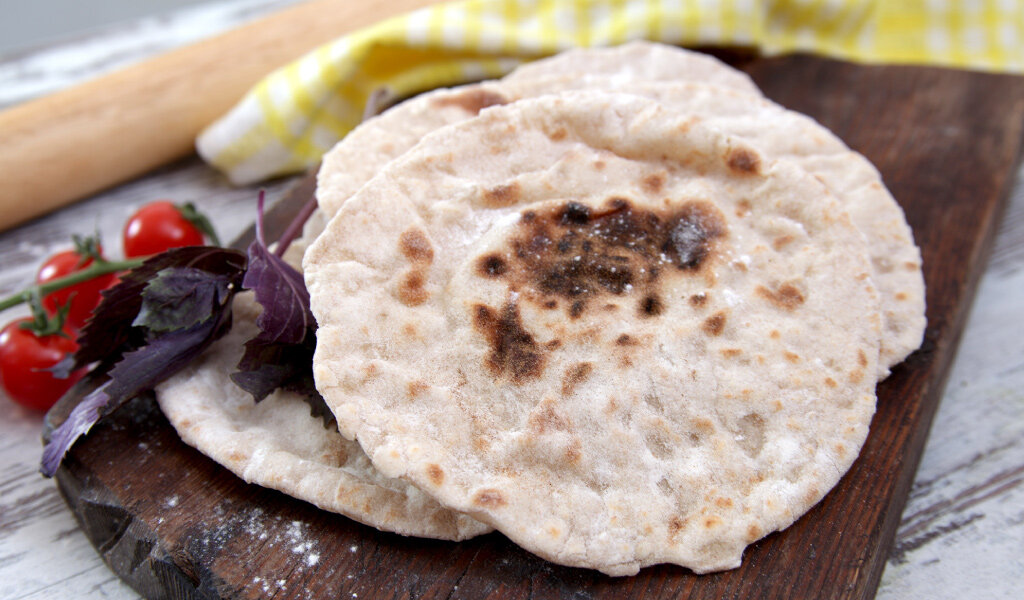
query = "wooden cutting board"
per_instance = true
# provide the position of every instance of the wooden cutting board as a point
(176, 525)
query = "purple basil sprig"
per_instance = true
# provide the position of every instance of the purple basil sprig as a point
(281, 355)
(279, 289)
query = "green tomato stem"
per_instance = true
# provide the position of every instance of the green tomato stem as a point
(97, 268)
(191, 214)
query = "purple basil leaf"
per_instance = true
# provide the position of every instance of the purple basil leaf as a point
(268, 365)
(281, 354)
(281, 292)
(111, 332)
(279, 289)
(64, 368)
(180, 297)
(80, 421)
(317, 405)
(164, 356)
(138, 370)
(263, 378)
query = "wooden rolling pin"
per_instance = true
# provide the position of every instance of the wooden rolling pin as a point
(73, 143)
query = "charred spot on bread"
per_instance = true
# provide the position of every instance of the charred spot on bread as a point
(492, 265)
(574, 213)
(743, 161)
(411, 290)
(415, 247)
(574, 376)
(653, 184)
(786, 296)
(578, 252)
(514, 353)
(435, 473)
(651, 306)
(715, 324)
(559, 134)
(489, 498)
(502, 195)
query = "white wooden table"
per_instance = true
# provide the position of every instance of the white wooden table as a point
(962, 534)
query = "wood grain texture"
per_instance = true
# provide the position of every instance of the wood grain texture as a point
(119, 126)
(946, 142)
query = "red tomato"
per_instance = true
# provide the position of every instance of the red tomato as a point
(84, 296)
(23, 355)
(156, 227)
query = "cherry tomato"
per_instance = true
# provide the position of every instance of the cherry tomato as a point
(84, 296)
(23, 355)
(156, 227)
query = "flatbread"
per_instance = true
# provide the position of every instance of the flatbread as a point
(777, 132)
(279, 445)
(487, 333)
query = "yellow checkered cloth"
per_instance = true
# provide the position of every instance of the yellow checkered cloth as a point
(286, 123)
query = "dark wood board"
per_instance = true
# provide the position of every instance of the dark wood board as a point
(176, 525)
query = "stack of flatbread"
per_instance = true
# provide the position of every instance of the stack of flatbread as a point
(617, 305)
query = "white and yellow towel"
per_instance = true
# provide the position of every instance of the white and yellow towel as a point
(297, 113)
